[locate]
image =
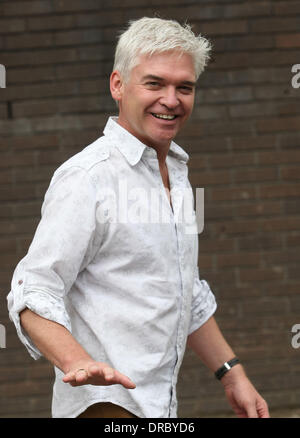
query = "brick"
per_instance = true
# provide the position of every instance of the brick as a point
(39, 57)
(243, 42)
(16, 193)
(290, 173)
(32, 8)
(281, 8)
(216, 246)
(19, 142)
(253, 142)
(261, 109)
(86, 70)
(3, 111)
(52, 22)
(289, 140)
(28, 209)
(8, 245)
(74, 6)
(205, 179)
(255, 175)
(226, 27)
(232, 160)
(278, 124)
(290, 223)
(288, 40)
(280, 191)
(217, 212)
(291, 207)
(282, 257)
(38, 91)
(12, 25)
(274, 24)
(240, 259)
(35, 40)
(22, 159)
(234, 193)
(283, 91)
(229, 94)
(254, 59)
(236, 227)
(30, 74)
(67, 105)
(278, 157)
(95, 19)
(254, 275)
(78, 37)
(258, 209)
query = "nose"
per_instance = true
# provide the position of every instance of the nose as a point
(170, 98)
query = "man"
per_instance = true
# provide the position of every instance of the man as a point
(103, 295)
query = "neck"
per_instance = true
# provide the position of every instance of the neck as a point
(162, 153)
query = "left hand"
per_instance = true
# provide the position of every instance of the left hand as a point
(243, 397)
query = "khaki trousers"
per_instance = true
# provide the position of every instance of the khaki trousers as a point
(106, 410)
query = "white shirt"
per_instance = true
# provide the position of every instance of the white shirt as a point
(122, 280)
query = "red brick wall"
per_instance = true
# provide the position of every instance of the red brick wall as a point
(243, 139)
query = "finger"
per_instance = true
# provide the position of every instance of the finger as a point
(95, 370)
(112, 376)
(263, 410)
(69, 377)
(108, 374)
(81, 375)
(125, 380)
(251, 411)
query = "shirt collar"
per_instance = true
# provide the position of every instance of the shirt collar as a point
(132, 148)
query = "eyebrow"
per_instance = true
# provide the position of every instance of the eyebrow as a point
(158, 78)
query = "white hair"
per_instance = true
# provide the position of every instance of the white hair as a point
(151, 35)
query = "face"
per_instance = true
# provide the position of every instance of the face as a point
(157, 99)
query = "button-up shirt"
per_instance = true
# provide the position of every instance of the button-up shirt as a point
(116, 264)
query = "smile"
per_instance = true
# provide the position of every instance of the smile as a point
(164, 116)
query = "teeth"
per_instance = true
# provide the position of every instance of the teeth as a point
(164, 116)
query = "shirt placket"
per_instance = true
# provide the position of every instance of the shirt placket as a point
(176, 199)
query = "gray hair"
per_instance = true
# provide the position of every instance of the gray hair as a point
(151, 35)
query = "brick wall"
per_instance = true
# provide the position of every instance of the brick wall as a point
(243, 139)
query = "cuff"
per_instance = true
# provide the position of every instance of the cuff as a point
(42, 302)
(204, 308)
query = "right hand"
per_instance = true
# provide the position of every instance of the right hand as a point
(96, 373)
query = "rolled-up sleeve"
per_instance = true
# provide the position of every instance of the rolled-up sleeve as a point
(62, 246)
(203, 303)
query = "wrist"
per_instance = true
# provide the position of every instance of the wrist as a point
(76, 362)
(233, 375)
(224, 372)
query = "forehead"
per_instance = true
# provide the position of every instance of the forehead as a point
(172, 64)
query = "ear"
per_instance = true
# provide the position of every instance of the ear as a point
(116, 85)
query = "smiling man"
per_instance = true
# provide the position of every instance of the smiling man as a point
(104, 299)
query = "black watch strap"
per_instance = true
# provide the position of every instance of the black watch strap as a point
(226, 367)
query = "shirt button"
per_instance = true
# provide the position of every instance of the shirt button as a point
(20, 282)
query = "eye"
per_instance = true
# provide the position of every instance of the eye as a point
(185, 89)
(153, 84)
